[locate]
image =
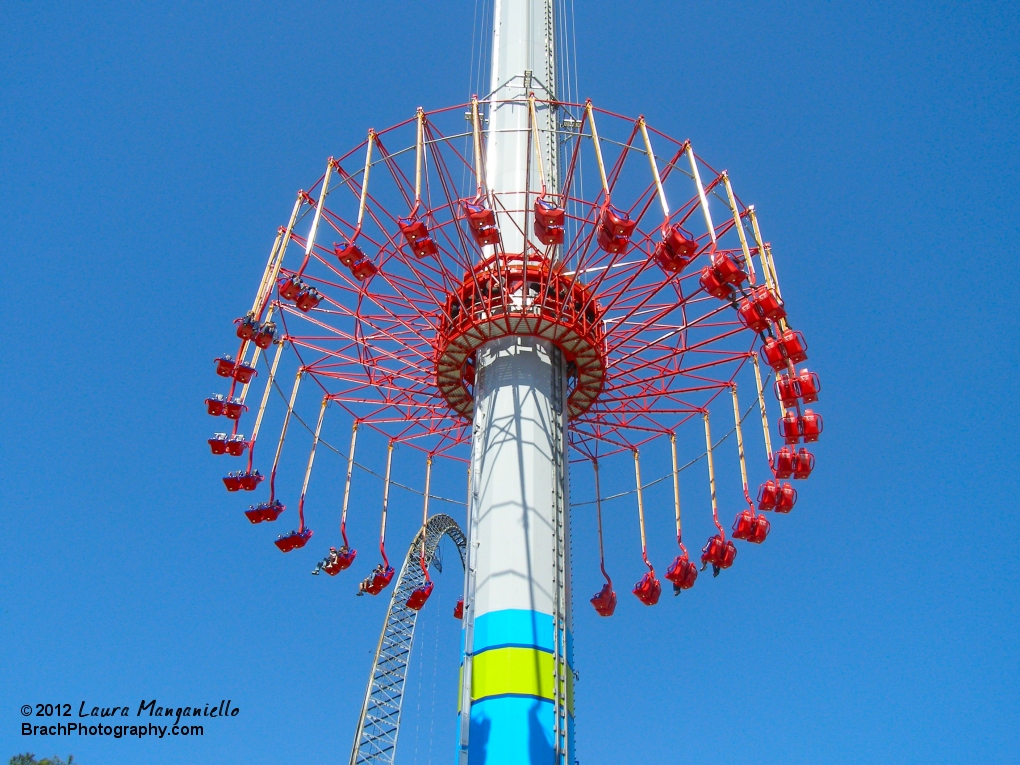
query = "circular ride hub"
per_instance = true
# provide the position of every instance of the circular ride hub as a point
(507, 295)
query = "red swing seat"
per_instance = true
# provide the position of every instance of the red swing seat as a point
(615, 229)
(218, 443)
(419, 596)
(773, 495)
(720, 278)
(549, 221)
(803, 464)
(482, 222)
(605, 600)
(294, 540)
(343, 561)
(417, 235)
(809, 385)
(214, 404)
(225, 366)
(682, 573)
(458, 610)
(348, 253)
(648, 589)
(794, 346)
(232, 481)
(773, 354)
(675, 250)
(377, 582)
(243, 373)
(290, 287)
(265, 511)
(265, 335)
(235, 445)
(791, 427)
(750, 315)
(307, 299)
(787, 389)
(719, 552)
(364, 269)
(250, 481)
(751, 527)
(783, 462)
(810, 426)
(246, 327)
(233, 408)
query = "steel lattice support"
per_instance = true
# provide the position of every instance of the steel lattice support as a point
(376, 739)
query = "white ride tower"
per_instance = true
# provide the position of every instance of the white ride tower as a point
(516, 691)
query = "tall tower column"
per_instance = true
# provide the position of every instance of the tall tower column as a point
(515, 700)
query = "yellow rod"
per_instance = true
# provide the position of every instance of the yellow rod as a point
(364, 180)
(761, 407)
(739, 224)
(265, 393)
(740, 440)
(655, 168)
(598, 149)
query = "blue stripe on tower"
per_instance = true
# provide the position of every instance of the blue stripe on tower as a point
(511, 730)
(513, 627)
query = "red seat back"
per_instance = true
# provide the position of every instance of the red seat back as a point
(714, 285)
(548, 235)
(250, 481)
(364, 269)
(751, 316)
(770, 305)
(243, 373)
(791, 427)
(809, 385)
(727, 270)
(458, 610)
(787, 389)
(549, 215)
(616, 223)
(794, 346)
(719, 552)
(412, 229)
(290, 287)
(605, 600)
(811, 426)
(307, 299)
(773, 495)
(759, 530)
(787, 499)
(615, 245)
(294, 540)
(682, 572)
(235, 446)
(348, 253)
(246, 327)
(772, 353)
(744, 524)
(648, 589)
(803, 464)
(225, 366)
(783, 462)
(419, 596)
(264, 337)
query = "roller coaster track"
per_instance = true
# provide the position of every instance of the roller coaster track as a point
(376, 739)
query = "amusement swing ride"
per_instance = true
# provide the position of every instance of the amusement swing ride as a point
(453, 285)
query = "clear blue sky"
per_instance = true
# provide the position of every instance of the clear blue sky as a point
(147, 153)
